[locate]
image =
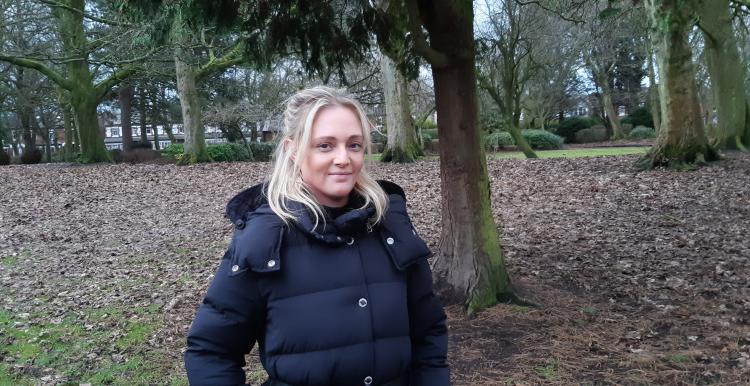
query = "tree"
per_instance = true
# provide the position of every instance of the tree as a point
(85, 85)
(508, 62)
(682, 139)
(402, 144)
(725, 68)
(469, 265)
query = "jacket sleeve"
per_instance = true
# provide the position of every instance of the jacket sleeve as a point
(429, 333)
(226, 327)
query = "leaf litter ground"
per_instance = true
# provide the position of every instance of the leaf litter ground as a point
(641, 277)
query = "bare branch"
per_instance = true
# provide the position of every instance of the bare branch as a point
(97, 19)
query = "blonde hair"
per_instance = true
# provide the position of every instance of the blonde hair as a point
(285, 183)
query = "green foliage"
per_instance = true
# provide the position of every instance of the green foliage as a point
(229, 152)
(639, 117)
(642, 132)
(429, 133)
(597, 133)
(568, 127)
(174, 150)
(498, 140)
(426, 124)
(262, 151)
(544, 140)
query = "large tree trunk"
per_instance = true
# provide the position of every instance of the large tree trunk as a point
(602, 79)
(513, 116)
(402, 145)
(195, 140)
(126, 123)
(727, 74)
(653, 91)
(91, 140)
(682, 139)
(155, 118)
(84, 97)
(469, 265)
(142, 106)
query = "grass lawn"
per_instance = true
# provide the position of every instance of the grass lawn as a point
(566, 153)
(575, 153)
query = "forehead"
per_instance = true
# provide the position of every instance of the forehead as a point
(336, 121)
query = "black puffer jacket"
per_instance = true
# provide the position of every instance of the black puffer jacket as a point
(343, 305)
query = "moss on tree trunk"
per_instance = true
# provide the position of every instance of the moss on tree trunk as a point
(681, 141)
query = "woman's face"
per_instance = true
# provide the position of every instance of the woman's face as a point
(335, 156)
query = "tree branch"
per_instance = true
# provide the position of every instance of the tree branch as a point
(118, 76)
(232, 57)
(58, 4)
(35, 65)
(436, 58)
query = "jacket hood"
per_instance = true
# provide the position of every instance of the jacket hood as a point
(254, 201)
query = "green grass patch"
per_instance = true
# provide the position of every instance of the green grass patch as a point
(574, 153)
(8, 261)
(67, 345)
(548, 371)
(679, 358)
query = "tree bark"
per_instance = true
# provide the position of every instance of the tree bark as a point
(126, 123)
(195, 140)
(682, 140)
(402, 145)
(154, 94)
(142, 106)
(727, 74)
(469, 265)
(653, 91)
(602, 79)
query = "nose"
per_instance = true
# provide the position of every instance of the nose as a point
(341, 157)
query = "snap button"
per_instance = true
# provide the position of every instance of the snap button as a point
(368, 380)
(389, 240)
(413, 231)
(235, 268)
(271, 263)
(239, 224)
(350, 241)
(363, 302)
(339, 238)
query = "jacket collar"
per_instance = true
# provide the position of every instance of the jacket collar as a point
(338, 230)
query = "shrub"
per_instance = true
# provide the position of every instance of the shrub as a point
(429, 133)
(174, 150)
(31, 156)
(139, 155)
(499, 140)
(642, 132)
(542, 140)
(116, 155)
(4, 157)
(262, 151)
(640, 117)
(228, 152)
(596, 133)
(426, 125)
(568, 127)
(141, 145)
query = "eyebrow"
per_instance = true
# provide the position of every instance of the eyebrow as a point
(329, 138)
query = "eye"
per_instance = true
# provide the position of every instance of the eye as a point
(323, 146)
(356, 146)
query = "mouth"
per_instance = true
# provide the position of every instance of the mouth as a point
(340, 174)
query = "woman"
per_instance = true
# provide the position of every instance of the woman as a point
(325, 271)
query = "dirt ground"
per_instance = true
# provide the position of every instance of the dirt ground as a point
(639, 277)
